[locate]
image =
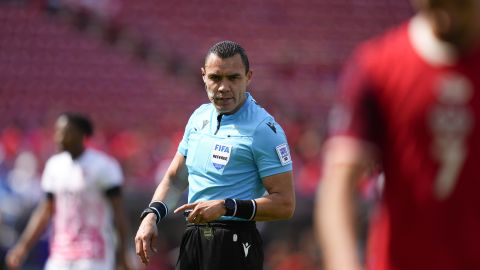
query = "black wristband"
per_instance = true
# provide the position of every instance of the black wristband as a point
(160, 208)
(147, 211)
(246, 209)
(230, 207)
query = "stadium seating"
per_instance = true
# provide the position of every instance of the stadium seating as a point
(296, 49)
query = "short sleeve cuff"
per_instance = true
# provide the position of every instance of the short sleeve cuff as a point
(277, 170)
(182, 150)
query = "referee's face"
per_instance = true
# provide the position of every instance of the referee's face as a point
(226, 82)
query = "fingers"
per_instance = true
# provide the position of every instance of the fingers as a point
(203, 211)
(197, 216)
(185, 207)
(153, 244)
(193, 218)
(139, 249)
(144, 239)
(145, 245)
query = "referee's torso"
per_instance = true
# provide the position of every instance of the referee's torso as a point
(227, 157)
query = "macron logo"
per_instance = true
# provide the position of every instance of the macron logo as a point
(246, 246)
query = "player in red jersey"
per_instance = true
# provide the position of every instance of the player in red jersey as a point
(410, 100)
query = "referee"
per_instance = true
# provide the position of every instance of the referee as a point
(235, 160)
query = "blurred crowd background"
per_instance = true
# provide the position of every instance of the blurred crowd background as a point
(134, 67)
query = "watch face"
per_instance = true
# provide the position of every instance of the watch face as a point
(230, 204)
(230, 207)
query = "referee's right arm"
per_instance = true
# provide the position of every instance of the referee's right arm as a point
(166, 195)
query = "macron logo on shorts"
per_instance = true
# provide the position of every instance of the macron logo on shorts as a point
(246, 246)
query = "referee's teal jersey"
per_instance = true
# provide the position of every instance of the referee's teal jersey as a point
(228, 156)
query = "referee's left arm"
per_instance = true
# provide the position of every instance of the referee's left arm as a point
(280, 201)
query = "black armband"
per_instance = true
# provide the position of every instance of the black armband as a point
(246, 209)
(113, 191)
(158, 208)
(49, 195)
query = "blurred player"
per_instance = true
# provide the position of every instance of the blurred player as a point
(409, 100)
(83, 198)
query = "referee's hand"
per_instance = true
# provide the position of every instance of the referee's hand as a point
(146, 238)
(203, 212)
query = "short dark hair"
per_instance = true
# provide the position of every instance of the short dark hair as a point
(225, 49)
(80, 121)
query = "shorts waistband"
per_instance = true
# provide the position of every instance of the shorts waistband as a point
(228, 224)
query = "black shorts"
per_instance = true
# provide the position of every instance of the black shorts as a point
(221, 245)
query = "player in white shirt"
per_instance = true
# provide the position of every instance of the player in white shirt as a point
(83, 200)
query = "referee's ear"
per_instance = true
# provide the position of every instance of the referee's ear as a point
(204, 72)
(249, 76)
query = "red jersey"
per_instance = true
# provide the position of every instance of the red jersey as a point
(419, 103)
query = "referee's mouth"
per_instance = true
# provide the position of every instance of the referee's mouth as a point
(222, 99)
(224, 102)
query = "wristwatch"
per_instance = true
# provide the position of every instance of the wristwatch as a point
(148, 211)
(230, 206)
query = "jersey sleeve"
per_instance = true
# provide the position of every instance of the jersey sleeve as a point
(47, 181)
(270, 149)
(110, 174)
(356, 111)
